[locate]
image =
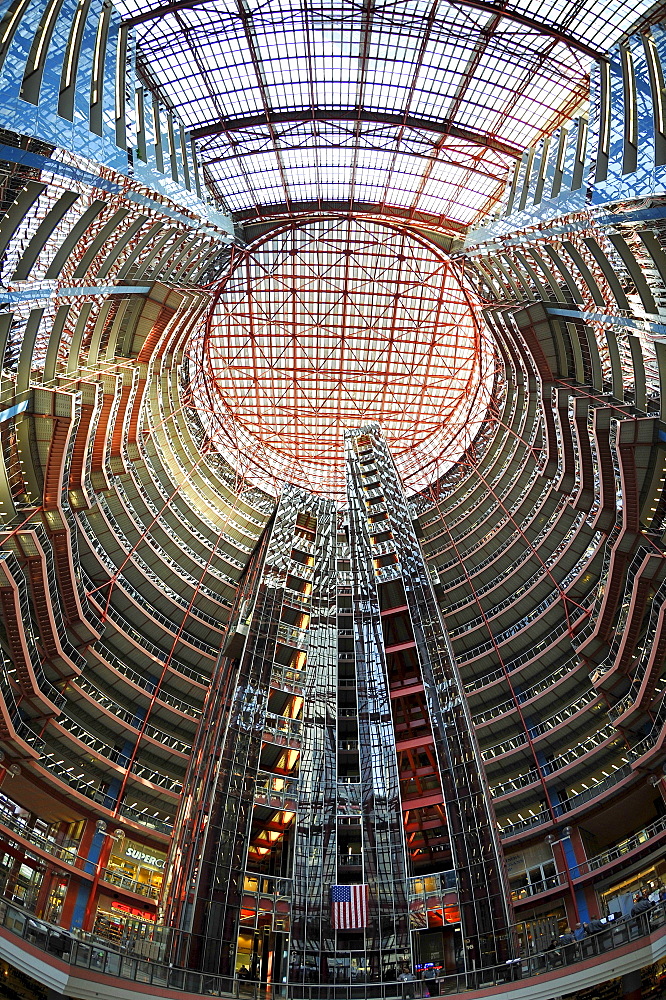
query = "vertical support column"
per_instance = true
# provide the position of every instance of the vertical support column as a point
(78, 901)
(444, 733)
(384, 849)
(308, 553)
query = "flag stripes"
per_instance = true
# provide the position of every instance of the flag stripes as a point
(349, 907)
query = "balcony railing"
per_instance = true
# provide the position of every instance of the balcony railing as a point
(284, 676)
(281, 726)
(125, 882)
(535, 888)
(90, 789)
(565, 805)
(131, 718)
(270, 785)
(19, 826)
(619, 850)
(70, 855)
(148, 684)
(133, 962)
(293, 636)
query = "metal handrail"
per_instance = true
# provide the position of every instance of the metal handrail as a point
(143, 961)
(619, 850)
(125, 882)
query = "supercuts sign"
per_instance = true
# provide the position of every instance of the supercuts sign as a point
(143, 855)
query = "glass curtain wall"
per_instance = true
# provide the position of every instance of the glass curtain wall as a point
(336, 753)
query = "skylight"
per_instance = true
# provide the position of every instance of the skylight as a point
(412, 105)
(333, 325)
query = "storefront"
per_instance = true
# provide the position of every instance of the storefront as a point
(137, 868)
(619, 896)
(120, 922)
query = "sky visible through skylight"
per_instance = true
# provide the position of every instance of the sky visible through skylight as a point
(335, 325)
(412, 112)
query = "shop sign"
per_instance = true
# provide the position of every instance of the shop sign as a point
(142, 855)
(132, 911)
(515, 864)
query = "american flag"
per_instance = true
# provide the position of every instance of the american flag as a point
(349, 907)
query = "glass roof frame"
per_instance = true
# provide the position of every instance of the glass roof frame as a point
(410, 113)
(331, 325)
(499, 75)
(243, 74)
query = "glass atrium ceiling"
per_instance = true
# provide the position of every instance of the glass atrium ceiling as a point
(408, 112)
(416, 108)
(335, 324)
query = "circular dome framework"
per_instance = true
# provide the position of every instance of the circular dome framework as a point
(334, 324)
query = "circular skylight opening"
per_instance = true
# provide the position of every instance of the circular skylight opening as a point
(330, 325)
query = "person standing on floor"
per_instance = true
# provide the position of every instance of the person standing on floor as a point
(408, 980)
(430, 983)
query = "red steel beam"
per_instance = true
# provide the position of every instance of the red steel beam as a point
(365, 115)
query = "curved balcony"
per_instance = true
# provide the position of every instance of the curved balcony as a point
(127, 630)
(164, 526)
(69, 854)
(123, 881)
(111, 753)
(170, 627)
(501, 548)
(509, 517)
(566, 804)
(167, 560)
(132, 720)
(545, 565)
(90, 789)
(508, 634)
(527, 694)
(621, 946)
(556, 881)
(146, 683)
(494, 476)
(160, 516)
(550, 639)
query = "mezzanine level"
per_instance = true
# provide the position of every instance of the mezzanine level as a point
(85, 967)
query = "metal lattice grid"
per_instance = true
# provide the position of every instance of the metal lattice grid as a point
(408, 105)
(335, 324)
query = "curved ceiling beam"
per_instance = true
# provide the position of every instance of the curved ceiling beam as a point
(315, 209)
(362, 115)
(487, 6)
(252, 231)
